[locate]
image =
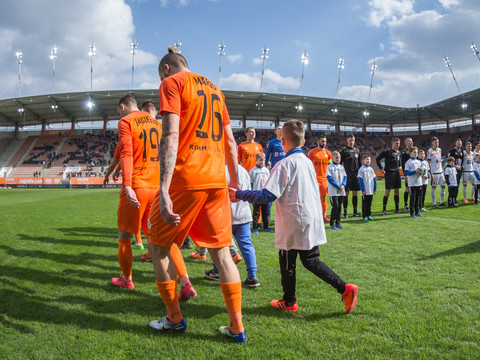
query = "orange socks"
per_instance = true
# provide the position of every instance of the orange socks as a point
(323, 200)
(232, 293)
(178, 261)
(125, 258)
(168, 292)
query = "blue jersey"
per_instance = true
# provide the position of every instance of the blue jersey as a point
(275, 151)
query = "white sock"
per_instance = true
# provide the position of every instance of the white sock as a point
(464, 193)
(432, 192)
(442, 195)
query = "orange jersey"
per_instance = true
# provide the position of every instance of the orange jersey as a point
(320, 159)
(201, 143)
(246, 154)
(139, 144)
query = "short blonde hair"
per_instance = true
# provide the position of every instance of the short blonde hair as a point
(260, 156)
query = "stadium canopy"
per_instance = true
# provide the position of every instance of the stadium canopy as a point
(242, 105)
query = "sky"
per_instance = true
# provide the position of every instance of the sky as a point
(407, 39)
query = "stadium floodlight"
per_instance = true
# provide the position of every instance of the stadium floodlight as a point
(21, 111)
(374, 68)
(475, 51)
(134, 46)
(298, 107)
(90, 104)
(54, 107)
(259, 106)
(447, 64)
(91, 52)
(365, 113)
(53, 57)
(19, 56)
(304, 62)
(341, 65)
(178, 46)
(221, 52)
(334, 110)
(464, 106)
(264, 57)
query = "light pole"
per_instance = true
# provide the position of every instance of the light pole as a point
(475, 50)
(134, 46)
(92, 52)
(341, 65)
(19, 56)
(264, 57)
(447, 63)
(374, 68)
(178, 46)
(304, 62)
(53, 57)
(221, 48)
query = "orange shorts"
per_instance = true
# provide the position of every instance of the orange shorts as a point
(323, 186)
(129, 219)
(205, 216)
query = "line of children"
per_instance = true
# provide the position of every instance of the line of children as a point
(368, 186)
(451, 180)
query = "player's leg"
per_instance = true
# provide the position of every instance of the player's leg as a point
(396, 198)
(323, 188)
(186, 289)
(287, 261)
(355, 203)
(385, 197)
(405, 194)
(432, 189)
(473, 188)
(345, 199)
(244, 240)
(311, 261)
(442, 195)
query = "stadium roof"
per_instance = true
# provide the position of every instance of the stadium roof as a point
(257, 106)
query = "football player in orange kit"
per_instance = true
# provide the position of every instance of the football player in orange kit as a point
(197, 141)
(321, 157)
(248, 150)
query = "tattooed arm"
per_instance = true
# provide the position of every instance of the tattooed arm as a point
(168, 158)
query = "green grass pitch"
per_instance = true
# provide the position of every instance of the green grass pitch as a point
(419, 292)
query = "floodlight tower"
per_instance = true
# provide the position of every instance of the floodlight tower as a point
(221, 52)
(341, 65)
(374, 68)
(53, 57)
(178, 46)
(19, 56)
(304, 62)
(475, 50)
(447, 63)
(92, 52)
(134, 46)
(264, 57)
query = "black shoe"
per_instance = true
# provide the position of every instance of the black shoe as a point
(212, 275)
(398, 212)
(345, 216)
(187, 244)
(435, 206)
(406, 208)
(443, 204)
(357, 215)
(384, 212)
(456, 203)
(251, 282)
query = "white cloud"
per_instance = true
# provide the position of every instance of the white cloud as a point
(449, 3)
(387, 10)
(108, 23)
(235, 58)
(272, 82)
(165, 3)
(257, 61)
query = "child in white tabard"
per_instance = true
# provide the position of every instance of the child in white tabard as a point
(468, 176)
(421, 157)
(415, 182)
(476, 172)
(368, 184)
(258, 177)
(337, 179)
(299, 225)
(451, 179)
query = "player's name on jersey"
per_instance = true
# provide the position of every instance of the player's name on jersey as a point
(204, 148)
(145, 120)
(200, 80)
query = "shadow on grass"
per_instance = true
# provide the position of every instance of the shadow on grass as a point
(473, 247)
(90, 231)
(74, 242)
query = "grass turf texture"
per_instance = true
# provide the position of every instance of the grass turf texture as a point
(418, 295)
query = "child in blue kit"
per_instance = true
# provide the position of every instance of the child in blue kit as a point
(368, 184)
(299, 225)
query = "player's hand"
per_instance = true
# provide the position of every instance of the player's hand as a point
(418, 171)
(342, 188)
(363, 193)
(132, 197)
(234, 184)
(105, 181)
(382, 171)
(115, 176)
(232, 192)
(166, 210)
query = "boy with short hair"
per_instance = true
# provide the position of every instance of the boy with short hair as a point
(476, 172)
(299, 219)
(368, 185)
(415, 183)
(451, 180)
(421, 157)
(337, 180)
(258, 177)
